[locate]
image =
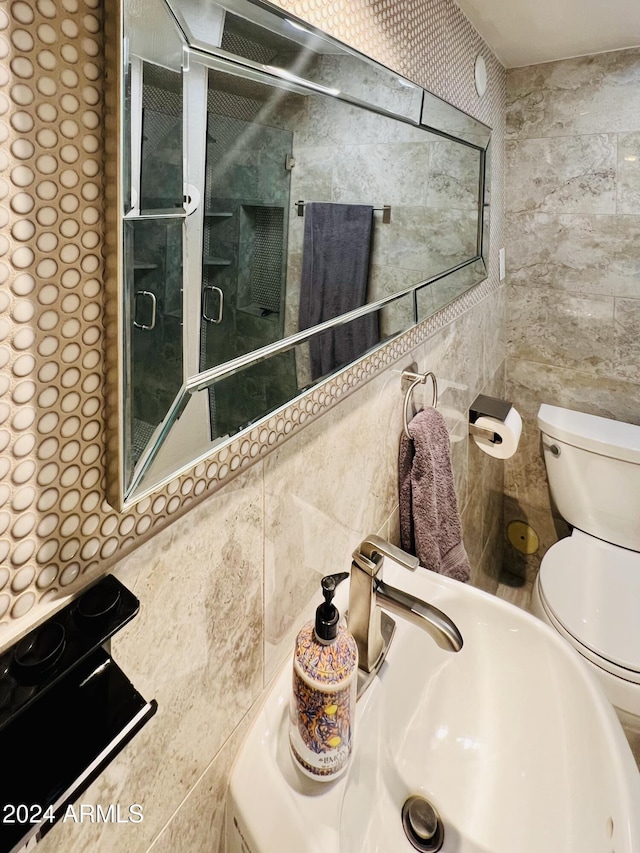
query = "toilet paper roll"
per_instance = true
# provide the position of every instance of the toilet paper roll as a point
(509, 431)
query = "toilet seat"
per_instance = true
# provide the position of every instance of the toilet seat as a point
(591, 592)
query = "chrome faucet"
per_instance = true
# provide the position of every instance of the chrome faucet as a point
(371, 628)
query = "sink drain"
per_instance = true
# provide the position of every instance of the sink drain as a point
(422, 825)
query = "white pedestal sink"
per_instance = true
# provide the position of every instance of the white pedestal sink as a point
(510, 739)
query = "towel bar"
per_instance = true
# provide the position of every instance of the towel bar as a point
(386, 210)
(414, 379)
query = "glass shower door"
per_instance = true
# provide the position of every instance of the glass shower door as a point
(246, 209)
(153, 250)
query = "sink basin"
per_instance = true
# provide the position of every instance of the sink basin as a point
(511, 740)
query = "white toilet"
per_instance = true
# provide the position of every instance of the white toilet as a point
(588, 587)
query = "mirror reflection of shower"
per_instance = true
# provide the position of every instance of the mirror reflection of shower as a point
(153, 241)
(246, 207)
(242, 132)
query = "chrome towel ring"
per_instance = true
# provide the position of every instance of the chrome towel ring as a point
(414, 379)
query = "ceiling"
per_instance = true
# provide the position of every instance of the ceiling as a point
(526, 32)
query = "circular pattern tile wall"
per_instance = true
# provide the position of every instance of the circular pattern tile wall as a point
(50, 273)
(56, 529)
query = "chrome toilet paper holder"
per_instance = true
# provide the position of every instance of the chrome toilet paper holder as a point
(491, 407)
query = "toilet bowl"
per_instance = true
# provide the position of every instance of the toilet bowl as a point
(588, 587)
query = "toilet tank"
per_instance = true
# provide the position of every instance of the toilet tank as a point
(593, 466)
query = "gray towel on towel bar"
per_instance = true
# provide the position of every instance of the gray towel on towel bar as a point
(335, 272)
(430, 524)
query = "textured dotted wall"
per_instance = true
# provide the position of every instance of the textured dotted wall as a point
(50, 272)
(56, 529)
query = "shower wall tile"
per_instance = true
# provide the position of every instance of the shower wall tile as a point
(553, 327)
(312, 177)
(453, 176)
(198, 825)
(532, 383)
(573, 258)
(627, 340)
(573, 97)
(575, 174)
(359, 170)
(335, 122)
(386, 279)
(369, 83)
(494, 315)
(629, 173)
(426, 239)
(598, 255)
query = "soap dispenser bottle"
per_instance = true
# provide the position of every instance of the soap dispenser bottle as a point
(323, 701)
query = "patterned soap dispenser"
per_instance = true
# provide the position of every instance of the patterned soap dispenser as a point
(323, 701)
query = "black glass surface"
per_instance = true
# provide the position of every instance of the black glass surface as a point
(55, 740)
(66, 710)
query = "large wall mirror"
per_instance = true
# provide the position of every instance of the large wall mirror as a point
(279, 206)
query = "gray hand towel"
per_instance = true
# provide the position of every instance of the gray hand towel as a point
(430, 524)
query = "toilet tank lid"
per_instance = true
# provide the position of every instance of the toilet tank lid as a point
(590, 432)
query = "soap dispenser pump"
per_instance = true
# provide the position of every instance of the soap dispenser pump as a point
(323, 701)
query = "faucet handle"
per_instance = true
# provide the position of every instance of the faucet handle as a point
(371, 551)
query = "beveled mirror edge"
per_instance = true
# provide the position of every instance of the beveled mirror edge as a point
(245, 447)
(113, 260)
(234, 455)
(271, 8)
(218, 59)
(199, 383)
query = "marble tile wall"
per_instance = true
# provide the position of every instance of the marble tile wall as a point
(573, 260)
(225, 585)
(345, 155)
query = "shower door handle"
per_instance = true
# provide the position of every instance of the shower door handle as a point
(214, 289)
(154, 304)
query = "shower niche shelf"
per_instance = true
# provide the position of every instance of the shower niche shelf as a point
(210, 261)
